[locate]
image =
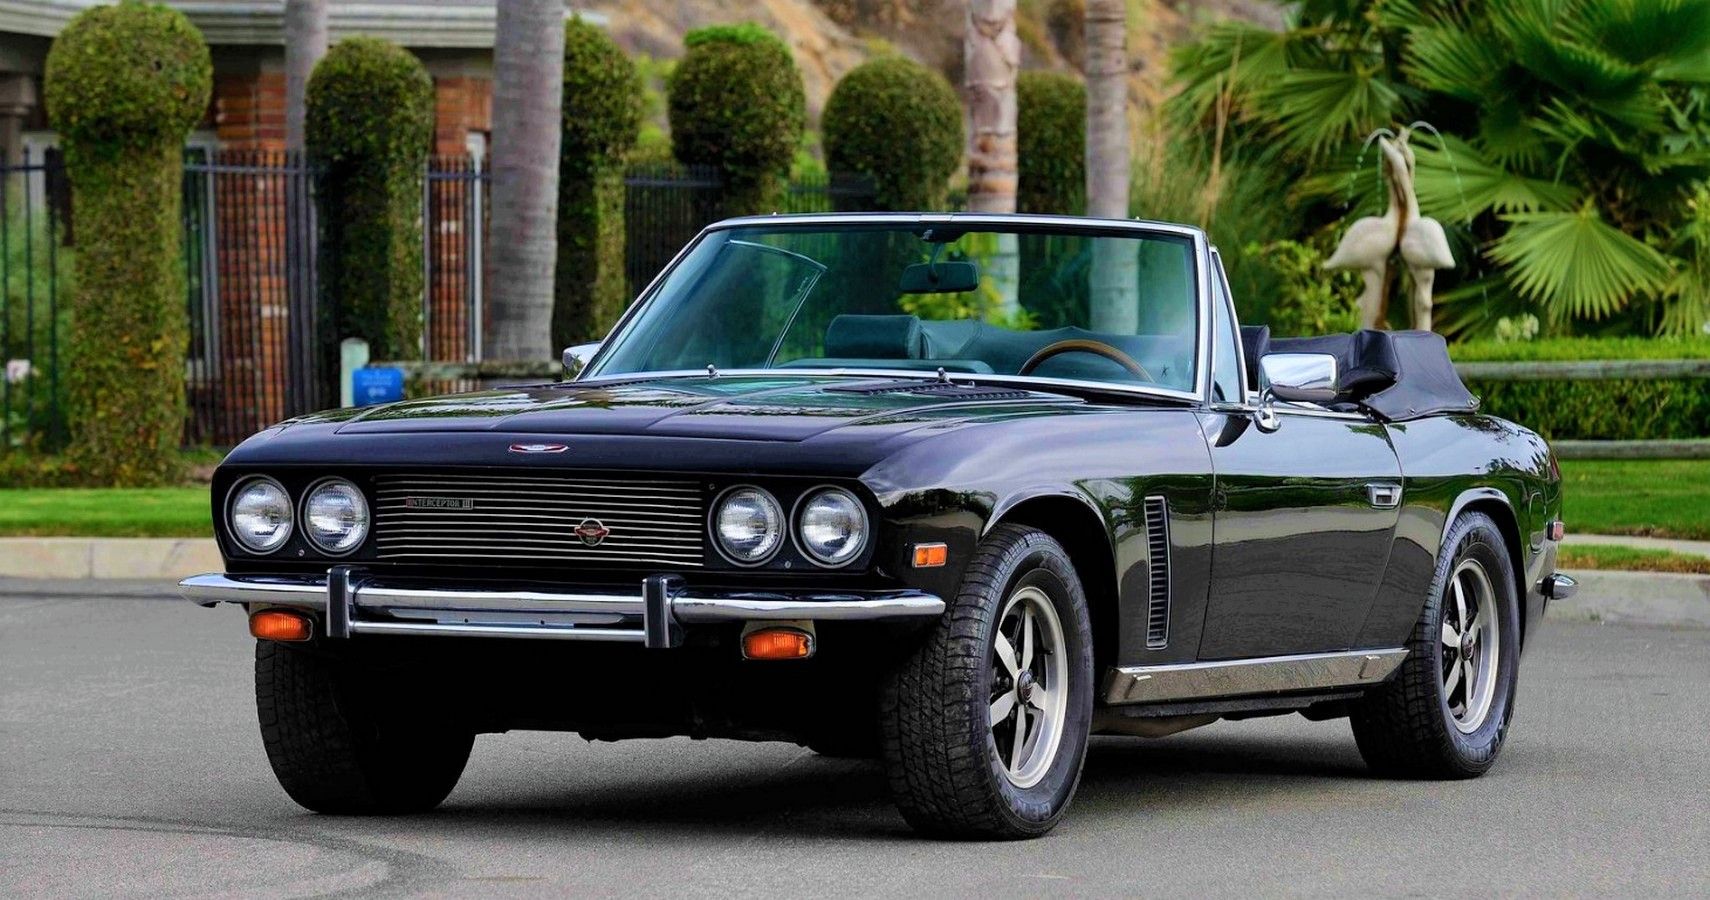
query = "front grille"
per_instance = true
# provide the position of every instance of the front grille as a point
(471, 518)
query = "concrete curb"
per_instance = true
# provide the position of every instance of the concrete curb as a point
(127, 558)
(1638, 598)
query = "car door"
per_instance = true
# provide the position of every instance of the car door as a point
(1303, 517)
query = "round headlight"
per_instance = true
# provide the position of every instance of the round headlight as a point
(335, 517)
(832, 526)
(749, 525)
(260, 515)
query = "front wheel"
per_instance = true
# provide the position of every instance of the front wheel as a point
(338, 746)
(986, 724)
(1446, 712)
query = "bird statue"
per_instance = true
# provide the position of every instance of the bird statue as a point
(1368, 244)
(1424, 244)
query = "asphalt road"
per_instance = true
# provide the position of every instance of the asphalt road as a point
(130, 765)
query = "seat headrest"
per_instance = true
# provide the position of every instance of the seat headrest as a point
(875, 337)
(1255, 342)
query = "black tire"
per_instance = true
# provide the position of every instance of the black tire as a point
(940, 756)
(1407, 728)
(337, 748)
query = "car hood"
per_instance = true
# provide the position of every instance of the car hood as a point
(754, 408)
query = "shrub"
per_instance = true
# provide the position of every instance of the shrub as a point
(899, 124)
(124, 85)
(1051, 143)
(368, 123)
(736, 102)
(1308, 300)
(1621, 409)
(602, 115)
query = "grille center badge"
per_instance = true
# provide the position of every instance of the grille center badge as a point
(538, 448)
(439, 503)
(592, 532)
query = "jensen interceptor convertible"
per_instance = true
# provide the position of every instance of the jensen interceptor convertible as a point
(950, 491)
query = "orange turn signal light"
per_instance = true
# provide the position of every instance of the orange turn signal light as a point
(281, 625)
(930, 556)
(777, 643)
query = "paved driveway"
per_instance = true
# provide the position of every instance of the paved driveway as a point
(129, 764)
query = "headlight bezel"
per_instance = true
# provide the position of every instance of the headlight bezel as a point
(779, 517)
(230, 507)
(798, 535)
(308, 533)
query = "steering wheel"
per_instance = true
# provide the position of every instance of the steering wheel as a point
(1081, 345)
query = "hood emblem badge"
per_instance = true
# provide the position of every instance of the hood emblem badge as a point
(592, 532)
(439, 503)
(538, 448)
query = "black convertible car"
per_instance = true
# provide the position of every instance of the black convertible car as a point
(955, 491)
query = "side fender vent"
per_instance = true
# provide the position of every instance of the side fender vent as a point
(1158, 562)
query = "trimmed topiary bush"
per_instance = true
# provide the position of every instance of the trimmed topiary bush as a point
(124, 84)
(899, 124)
(367, 128)
(602, 115)
(1614, 409)
(1051, 141)
(736, 102)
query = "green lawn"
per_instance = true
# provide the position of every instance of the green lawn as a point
(95, 512)
(1661, 498)
(1633, 559)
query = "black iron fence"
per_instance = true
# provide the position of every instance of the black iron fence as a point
(250, 273)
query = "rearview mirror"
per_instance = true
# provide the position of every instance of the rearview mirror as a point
(576, 358)
(940, 278)
(1300, 377)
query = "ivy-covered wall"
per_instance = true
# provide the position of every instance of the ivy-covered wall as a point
(736, 102)
(124, 84)
(899, 124)
(369, 123)
(602, 116)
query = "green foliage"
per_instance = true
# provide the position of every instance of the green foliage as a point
(1051, 139)
(1308, 300)
(368, 126)
(603, 97)
(1625, 409)
(736, 103)
(900, 124)
(1577, 136)
(124, 84)
(1661, 497)
(40, 284)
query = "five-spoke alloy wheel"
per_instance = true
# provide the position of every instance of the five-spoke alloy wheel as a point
(1030, 683)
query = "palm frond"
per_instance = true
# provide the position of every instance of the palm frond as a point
(1453, 60)
(1576, 264)
(1316, 110)
(1456, 183)
(1650, 33)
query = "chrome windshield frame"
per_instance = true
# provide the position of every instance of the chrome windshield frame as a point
(1201, 393)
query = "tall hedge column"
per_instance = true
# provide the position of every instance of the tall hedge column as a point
(124, 85)
(899, 124)
(369, 121)
(602, 113)
(736, 102)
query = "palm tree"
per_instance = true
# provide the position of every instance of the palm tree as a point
(1576, 136)
(528, 86)
(991, 61)
(1114, 287)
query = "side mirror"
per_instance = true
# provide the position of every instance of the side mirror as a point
(1300, 377)
(576, 358)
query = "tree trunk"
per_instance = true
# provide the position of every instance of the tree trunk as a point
(528, 89)
(305, 44)
(992, 59)
(1113, 291)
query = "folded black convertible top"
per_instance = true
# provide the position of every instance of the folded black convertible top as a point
(1395, 375)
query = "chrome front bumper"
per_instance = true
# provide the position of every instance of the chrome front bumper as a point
(353, 602)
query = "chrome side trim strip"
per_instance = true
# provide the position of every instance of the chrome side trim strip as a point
(1242, 677)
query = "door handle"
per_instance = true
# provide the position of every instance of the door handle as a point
(1383, 495)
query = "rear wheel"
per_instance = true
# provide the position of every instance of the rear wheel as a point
(985, 726)
(1446, 713)
(337, 746)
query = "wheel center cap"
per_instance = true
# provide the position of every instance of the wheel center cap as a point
(1467, 644)
(1024, 686)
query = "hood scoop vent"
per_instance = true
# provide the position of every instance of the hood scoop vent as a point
(941, 389)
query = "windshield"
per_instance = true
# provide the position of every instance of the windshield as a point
(1088, 307)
